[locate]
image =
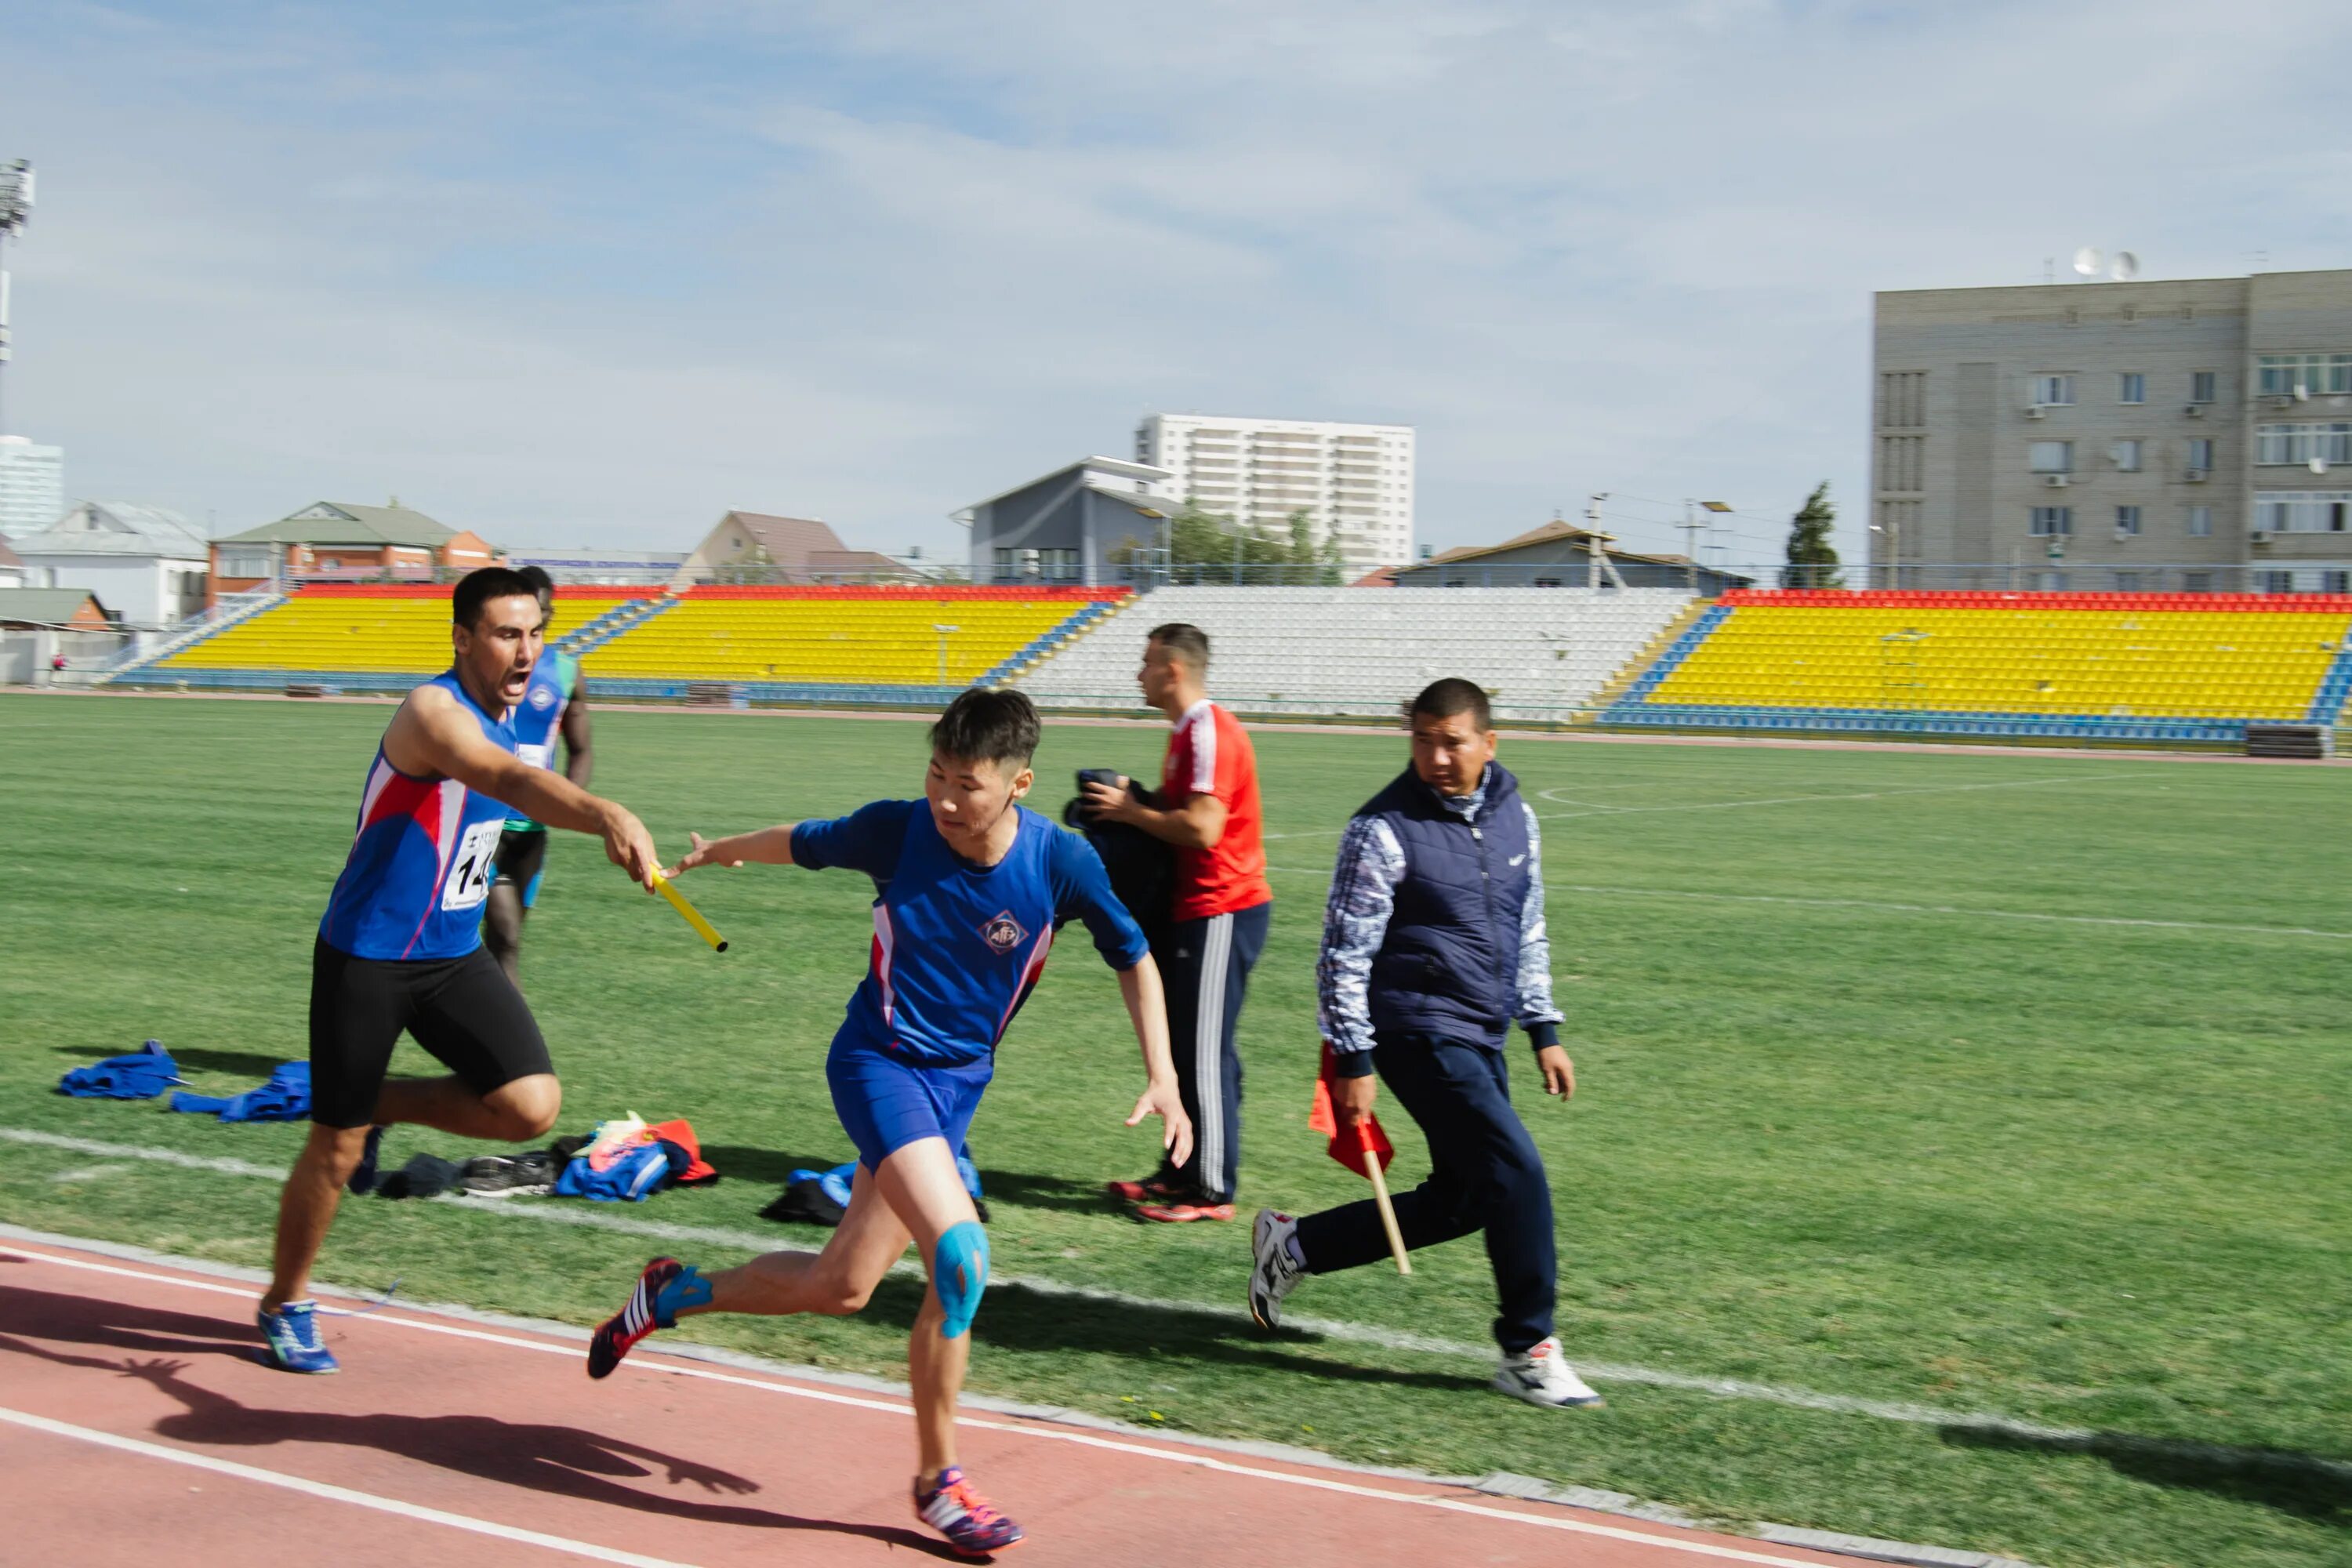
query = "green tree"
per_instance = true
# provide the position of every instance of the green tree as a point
(1813, 559)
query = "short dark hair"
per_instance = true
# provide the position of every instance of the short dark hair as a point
(1189, 643)
(1444, 698)
(542, 581)
(988, 725)
(479, 586)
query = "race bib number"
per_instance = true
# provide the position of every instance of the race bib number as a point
(469, 869)
(539, 756)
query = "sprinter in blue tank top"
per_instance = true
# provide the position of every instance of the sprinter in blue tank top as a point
(400, 947)
(970, 887)
(553, 706)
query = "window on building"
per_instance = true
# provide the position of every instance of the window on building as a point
(2053, 521)
(2200, 455)
(2050, 457)
(2335, 582)
(2128, 582)
(2304, 512)
(2200, 386)
(2273, 582)
(2050, 581)
(2197, 582)
(2053, 390)
(2304, 443)
(2131, 387)
(2126, 454)
(2304, 376)
(2127, 521)
(2200, 523)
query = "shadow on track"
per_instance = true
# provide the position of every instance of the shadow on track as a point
(563, 1461)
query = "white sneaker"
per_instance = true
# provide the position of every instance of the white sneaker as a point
(1542, 1376)
(1278, 1270)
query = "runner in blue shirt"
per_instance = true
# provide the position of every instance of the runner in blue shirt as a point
(400, 947)
(554, 704)
(970, 887)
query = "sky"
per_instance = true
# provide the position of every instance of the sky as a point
(595, 273)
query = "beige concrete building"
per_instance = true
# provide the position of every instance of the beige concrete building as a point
(2191, 435)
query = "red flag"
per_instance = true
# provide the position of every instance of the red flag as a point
(1348, 1144)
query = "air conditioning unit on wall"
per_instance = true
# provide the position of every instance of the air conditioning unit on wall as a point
(2194, 411)
(2056, 482)
(2035, 411)
(2259, 536)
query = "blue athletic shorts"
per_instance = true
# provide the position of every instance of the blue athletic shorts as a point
(885, 1103)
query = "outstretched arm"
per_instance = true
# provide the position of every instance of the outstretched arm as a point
(1147, 1009)
(766, 846)
(434, 733)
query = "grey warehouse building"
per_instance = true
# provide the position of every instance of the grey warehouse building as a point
(1064, 526)
(2185, 437)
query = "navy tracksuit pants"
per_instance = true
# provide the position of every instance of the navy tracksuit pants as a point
(1205, 966)
(1484, 1174)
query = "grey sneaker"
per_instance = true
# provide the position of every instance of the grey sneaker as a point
(1542, 1376)
(1278, 1270)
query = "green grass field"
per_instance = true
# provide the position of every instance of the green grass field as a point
(1994, 1083)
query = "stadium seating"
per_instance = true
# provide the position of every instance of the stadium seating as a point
(1544, 652)
(852, 639)
(2130, 666)
(360, 628)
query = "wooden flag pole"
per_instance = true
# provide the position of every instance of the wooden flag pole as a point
(1388, 1210)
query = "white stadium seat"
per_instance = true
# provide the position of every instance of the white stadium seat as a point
(1541, 652)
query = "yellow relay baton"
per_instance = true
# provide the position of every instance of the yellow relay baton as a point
(703, 928)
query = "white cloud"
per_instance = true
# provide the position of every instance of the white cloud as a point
(598, 273)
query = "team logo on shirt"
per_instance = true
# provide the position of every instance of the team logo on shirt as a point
(1003, 932)
(541, 697)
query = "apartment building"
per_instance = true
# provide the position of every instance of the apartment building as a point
(2186, 435)
(1354, 482)
(32, 486)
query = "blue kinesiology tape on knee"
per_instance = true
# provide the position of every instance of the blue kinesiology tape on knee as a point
(686, 1288)
(959, 1273)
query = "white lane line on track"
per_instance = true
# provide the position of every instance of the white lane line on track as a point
(652, 1364)
(1773, 800)
(1904, 1412)
(179, 1455)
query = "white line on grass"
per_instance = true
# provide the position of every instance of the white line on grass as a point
(1949, 910)
(1327, 1328)
(1774, 800)
(1889, 908)
(344, 1494)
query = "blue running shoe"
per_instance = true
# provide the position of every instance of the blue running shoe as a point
(362, 1177)
(973, 1527)
(293, 1332)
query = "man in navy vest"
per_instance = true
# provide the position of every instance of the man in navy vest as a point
(1433, 943)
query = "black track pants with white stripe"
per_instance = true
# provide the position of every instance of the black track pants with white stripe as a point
(1205, 966)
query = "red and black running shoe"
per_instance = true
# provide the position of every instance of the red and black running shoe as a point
(636, 1319)
(974, 1527)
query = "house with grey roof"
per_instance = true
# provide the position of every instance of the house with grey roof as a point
(148, 565)
(1063, 526)
(346, 542)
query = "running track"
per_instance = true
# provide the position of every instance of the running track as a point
(136, 1426)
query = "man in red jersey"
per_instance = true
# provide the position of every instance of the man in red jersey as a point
(1208, 809)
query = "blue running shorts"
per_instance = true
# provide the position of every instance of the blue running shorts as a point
(885, 1103)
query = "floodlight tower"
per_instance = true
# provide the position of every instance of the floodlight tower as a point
(15, 207)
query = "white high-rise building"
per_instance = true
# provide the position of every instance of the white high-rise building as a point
(1354, 482)
(32, 486)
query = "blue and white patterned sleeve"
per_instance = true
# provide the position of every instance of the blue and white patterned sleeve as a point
(1532, 1005)
(1355, 922)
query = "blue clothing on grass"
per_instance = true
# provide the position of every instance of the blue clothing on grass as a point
(957, 949)
(141, 1074)
(285, 1096)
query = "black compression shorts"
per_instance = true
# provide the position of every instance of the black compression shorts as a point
(463, 1010)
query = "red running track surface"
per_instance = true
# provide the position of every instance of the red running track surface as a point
(136, 1426)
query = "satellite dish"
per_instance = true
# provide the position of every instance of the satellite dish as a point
(2087, 261)
(2124, 268)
